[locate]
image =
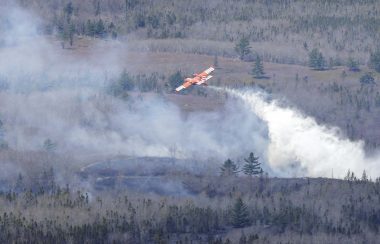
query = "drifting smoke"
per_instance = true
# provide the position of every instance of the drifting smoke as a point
(52, 95)
(49, 95)
(299, 146)
(86, 122)
(30, 61)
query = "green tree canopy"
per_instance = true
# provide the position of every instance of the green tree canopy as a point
(100, 29)
(240, 215)
(175, 80)
(124, 84)
(229, 168)
(374, 61)
(3, 143)
(216, 61)
(258, 68)
(367, 79)
(71, 33)
(352, 65)
(316, 60)
(252, 165)
(49, 145)
(68, 11)
(97, 8)
(242, 47)
(90, 28)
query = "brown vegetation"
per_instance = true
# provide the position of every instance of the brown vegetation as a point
(281, 31)
(277, 211)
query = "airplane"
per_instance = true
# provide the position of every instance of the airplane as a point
(198, 79)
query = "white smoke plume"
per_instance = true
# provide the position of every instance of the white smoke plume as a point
(31, 61)
(299, 146)
(55, 96)
(52, 96)
(86, 122)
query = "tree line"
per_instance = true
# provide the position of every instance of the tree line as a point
(291, 24)
(262, 209)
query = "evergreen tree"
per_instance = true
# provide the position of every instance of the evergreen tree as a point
(258, 69)
(229, 168)
(47, 180)
(331, 63)
(1, 130)
(316, 60)
(3, 143)
(68, 11)
(63, 33)
(343, 75)
(216, 61)
(125, 82)
(305, 46)
(100, 28)
(352, 65)
(90, 28)
(97, 8)
(347, 177)
(374, 61)
(367, 79)
(243, 48)
(377, 99)
(71, 33)
(364, 176)
(243, 239)
(175, 80)
(20, 186)
(129, 5)
(112, 30)
(252, 165)
(49, 145)
(240, 215)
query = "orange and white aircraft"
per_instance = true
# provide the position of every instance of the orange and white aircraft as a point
(198, 79)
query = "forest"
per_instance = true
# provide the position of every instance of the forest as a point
(217, 209)
(281, 30)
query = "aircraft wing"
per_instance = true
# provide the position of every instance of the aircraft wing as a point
(199, 79)
(183, 86)
(204, 80)
(180, 88)
(209, 70)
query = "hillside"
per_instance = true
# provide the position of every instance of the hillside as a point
(273, 211)
(281, 31)
(334, 97)
(282, 146)
(165, 37)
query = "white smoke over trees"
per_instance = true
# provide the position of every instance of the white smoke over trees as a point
(298, 146)
(56, 98)
(50, 96)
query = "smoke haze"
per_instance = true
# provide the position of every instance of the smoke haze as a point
(50, 96)
(46, 95)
